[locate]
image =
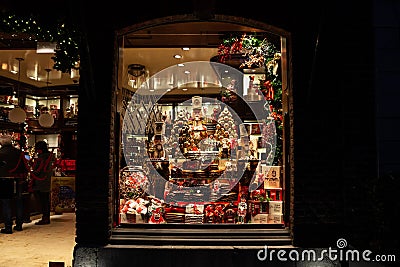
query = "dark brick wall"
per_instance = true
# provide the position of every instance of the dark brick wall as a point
(387, 55)
(335, 154)
(93, 162)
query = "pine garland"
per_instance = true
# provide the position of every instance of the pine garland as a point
(260, 52)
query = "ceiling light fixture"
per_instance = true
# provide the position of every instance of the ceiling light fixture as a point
(136, 70)
(46, 47)
(136, 75)
(17, 114)
(177, 56)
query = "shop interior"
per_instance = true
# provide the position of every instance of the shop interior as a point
(38, 102)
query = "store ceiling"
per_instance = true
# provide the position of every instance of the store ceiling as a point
(33, 68)
(33, 78)
(190, 34)
(154, 48)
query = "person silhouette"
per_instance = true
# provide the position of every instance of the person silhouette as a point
(13, 173)
(42, 171)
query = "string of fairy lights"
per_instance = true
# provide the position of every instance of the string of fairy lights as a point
(29, 28)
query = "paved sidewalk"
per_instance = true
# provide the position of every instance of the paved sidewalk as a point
(37, 245)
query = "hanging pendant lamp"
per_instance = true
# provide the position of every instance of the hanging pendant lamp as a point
(46, 119)
(17, 114)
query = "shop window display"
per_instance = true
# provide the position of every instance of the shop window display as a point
(200, 161)
(212, 171)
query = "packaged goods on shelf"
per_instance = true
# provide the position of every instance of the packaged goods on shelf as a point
(275, 218)
(260, 218)
(194, 218)
(276, 207)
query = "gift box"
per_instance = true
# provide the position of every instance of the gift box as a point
(123, 218)
(194, 218)
(274, 194)
(230, 212)
(174, 217)
(275, 218)
(258, 207)
(132, 218)
(194, 209)
(272, 175)
(260, 218)
(275, 207)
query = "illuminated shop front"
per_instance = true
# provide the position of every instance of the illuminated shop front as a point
(202, 136)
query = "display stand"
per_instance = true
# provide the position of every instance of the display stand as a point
(62, 194)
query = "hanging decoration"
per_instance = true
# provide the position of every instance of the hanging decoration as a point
(46, 119)
(255, 52)
(17, 114)
(137, 74)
